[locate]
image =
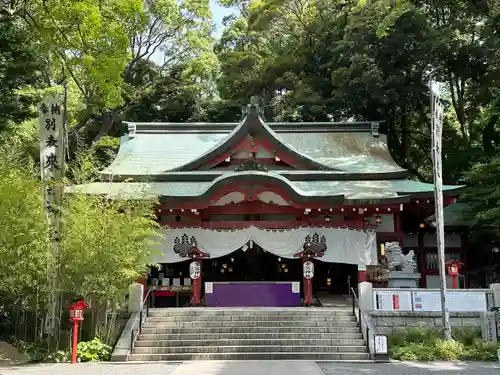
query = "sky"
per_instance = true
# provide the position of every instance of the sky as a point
(219, 13)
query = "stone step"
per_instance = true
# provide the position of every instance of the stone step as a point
(249, 349)
(193, 311)
(270, 329)
(310, 356)
(249, 318)
(249, 336)
(250, 342)
(250, 324)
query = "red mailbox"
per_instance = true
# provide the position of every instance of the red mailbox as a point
(454, 271)
(76, 315)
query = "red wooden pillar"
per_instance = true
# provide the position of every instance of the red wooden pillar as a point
(314, 247)
(362, 273)
(308, 275)
(195, 273)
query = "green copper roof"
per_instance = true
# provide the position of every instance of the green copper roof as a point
(347, 161)
(362, 191)
(146, 154)
(352, 152)
(150, 154)
(152, 149)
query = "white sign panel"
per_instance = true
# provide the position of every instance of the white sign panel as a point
(392, 300)
(381, 344)
(308, 270)
(195, 270)
(209, 288)
(457, 301)
(296, 287)
(51, 127)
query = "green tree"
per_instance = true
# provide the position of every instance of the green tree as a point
(23, 231)
(483, 198)
(21, 64)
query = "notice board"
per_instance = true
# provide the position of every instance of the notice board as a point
(457, 301)
(392, 300)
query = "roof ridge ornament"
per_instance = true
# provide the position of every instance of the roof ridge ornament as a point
(132, 128)
(375, 129)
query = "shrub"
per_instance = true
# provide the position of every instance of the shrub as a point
(93, 351)
(87, 351)
(449, 349)
(482, 351)
(425, 344)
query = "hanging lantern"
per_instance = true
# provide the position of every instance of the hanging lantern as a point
(378, 220)
(286, 269)
(283, 265)
(279, 259)
(422, 226)
(224, 265)
(329, 281)
(495, 249)
(230, 269)
(222, 270)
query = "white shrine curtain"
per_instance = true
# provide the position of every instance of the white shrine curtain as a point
(343, 245)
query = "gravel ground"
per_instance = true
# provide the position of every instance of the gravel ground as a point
(445, 368)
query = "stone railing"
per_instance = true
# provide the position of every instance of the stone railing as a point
(391, 309)
(389, 321)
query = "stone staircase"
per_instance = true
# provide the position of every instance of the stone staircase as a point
(182, 334)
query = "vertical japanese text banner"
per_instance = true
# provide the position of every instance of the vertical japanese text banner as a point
(51, 124)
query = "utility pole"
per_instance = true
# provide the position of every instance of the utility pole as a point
(437, 134)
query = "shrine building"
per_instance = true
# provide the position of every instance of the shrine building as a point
(268, 214)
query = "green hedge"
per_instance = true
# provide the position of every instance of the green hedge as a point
(426, 344)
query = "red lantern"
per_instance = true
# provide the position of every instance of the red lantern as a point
(76, 315)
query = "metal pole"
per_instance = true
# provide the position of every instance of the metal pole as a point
(437, 133)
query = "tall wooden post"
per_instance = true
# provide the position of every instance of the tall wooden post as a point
(51, 117)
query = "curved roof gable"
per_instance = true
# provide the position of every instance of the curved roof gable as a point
(254, 125)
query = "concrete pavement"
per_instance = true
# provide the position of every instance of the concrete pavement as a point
(411, 368)
(255, 368)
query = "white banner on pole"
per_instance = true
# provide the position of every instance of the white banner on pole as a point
(437, 114)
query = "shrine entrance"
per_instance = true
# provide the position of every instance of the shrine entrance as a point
(335, 278)
(255, 264)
